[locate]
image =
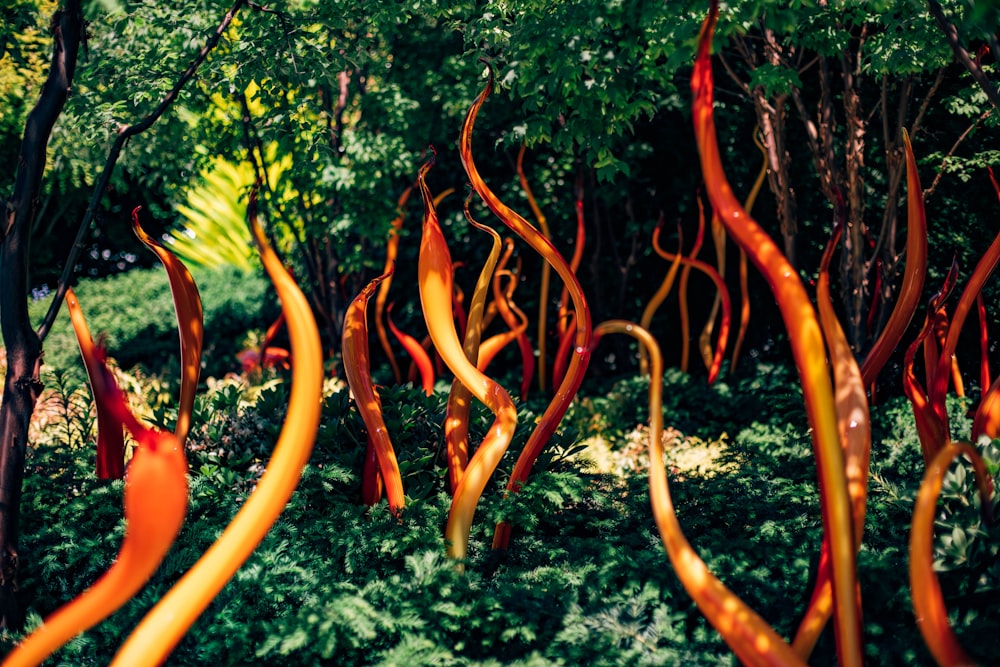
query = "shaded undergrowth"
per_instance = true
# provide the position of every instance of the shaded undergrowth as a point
(586, 581)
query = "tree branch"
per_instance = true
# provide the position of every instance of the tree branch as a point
(21, 385)
(951, 151)
(963, 56)
(124, 134)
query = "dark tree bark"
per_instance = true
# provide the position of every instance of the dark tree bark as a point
(771, 120)
(22, 385)
(772, 113)
(853, 260)
(24, 345)
(962, 54)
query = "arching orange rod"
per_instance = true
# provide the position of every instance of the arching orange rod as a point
(456, 417)
(721, 290)
(743, 268)
(664, 289)
(190, 324)
(562, 353)
(751, 638)
(574, 262)
(945, 364)
(565, 315)
(155, 505)
(435, 282)
(987, 418)
(705, 337)
(808, 350)
(564, 394)
(512, 316)
(928, 603)
(163, 627)
(543, 288)
(682, 289)
(984, 269)
(417, 353)
(110, 437)
(932, 431)
(391, 252)
(357, 367)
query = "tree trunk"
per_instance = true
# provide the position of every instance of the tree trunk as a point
(771, 120)
(885, 253)
(22, 385)
(854, 263)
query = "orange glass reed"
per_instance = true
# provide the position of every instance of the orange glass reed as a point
(743, 268)
(357, 367)
(421, 360)
(928, 603)
(155, 505)
(564, 394)
(806, 339)
(456, 418)
(913, 274)
(662, 291)
(169, 620)
(543, 288)
(391, 251)
(715, 361)
(436, 287)
(753, 641)
(190, 324)
(854, 427)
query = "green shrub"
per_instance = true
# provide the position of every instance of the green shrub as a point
(586, 581)
(133, 312)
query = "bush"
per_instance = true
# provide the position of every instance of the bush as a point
(585, 582)
(133, 312)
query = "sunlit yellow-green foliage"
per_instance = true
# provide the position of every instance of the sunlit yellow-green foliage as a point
(24, 55)
(214, 231)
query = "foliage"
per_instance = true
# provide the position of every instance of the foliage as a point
(25, 45)
(347, 123)
(134, 313)
(586, 582)
(352, 94)
(616, 64)
(214, 233)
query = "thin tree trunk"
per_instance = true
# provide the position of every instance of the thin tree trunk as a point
(884, 253)
(22, 385)
(771, 120)
(854, 265)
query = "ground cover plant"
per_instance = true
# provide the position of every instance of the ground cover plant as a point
(585, 580)
(808, 462)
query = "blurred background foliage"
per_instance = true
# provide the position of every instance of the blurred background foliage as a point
(344, 99)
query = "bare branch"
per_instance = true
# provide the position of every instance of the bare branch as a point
(926, 103)
(124, 134)
(963, 56)
(732, 75)
(951, 151)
